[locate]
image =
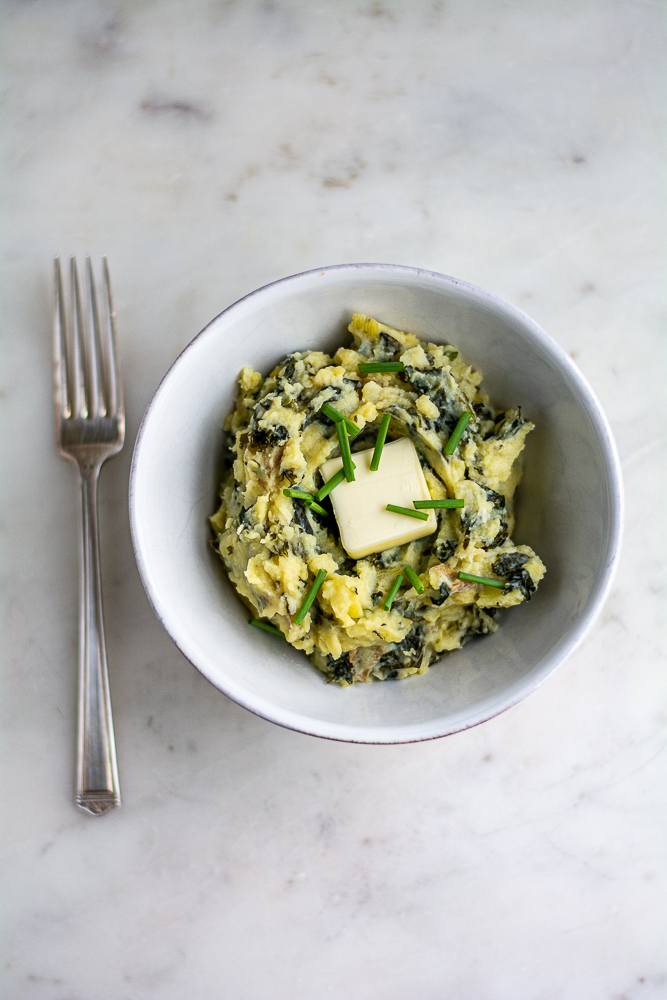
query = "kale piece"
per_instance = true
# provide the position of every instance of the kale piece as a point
(499, 510)
(444, 594)
(497, 499)
(383, 559)
(426, 381)
(434, 385)
(486, 414)
(501, 536)
(341, 669)
(296, 546)
(443, 550)
(260, 437)
(328, 426)
(472, 520)
(509, 424)
(328, 395)
(317, 616)
(347, 567)
(520, 580)
(508, 562)
(450, 412)
(244, 519)
(404, 654)
(389, 349)
(287, 371)
(468, 522)
(481, 625)
(300, 517)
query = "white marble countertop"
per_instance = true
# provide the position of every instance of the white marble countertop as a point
(208, 148)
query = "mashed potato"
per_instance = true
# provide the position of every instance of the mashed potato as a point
(273, 545)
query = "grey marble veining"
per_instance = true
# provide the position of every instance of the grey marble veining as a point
(211, 147)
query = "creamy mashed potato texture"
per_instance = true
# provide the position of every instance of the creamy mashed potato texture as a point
(274, 545)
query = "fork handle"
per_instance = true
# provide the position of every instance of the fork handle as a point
(97, 789)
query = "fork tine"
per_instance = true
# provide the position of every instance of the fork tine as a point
(80, 407)
(115, 385)
(60, 342)
(97, 403)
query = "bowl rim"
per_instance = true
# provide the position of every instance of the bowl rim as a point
(351, 733)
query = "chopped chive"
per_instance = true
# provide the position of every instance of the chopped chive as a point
(457, 433)
(337, 418)
(345, 453)
(392, 593)
(265, 625)
(380, 366)
(308, 499)
(414, 579)
(310, 597)
(316, 507)
(330, 485)
(482, 579)
(329, 411)
(379, 443)
(436, 504)
(298, 494)
(405, 510)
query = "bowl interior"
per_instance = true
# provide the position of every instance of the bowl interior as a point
(568, 504)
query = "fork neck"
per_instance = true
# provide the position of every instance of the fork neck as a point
(89, 466)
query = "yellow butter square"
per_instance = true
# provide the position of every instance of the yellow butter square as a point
(365, 525)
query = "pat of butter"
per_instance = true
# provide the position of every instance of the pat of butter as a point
(365, 525)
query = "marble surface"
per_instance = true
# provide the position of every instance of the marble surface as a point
(208, 148)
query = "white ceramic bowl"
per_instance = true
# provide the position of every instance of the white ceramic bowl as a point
(569, 504)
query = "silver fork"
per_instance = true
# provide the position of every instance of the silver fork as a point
(90, 422)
